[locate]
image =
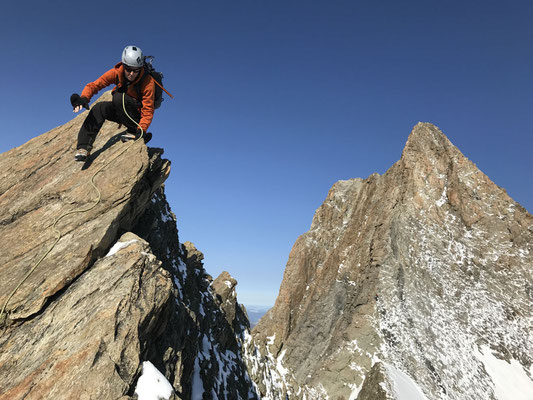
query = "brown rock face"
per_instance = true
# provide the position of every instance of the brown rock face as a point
(87, 342)
(104, 301)
(40, 181)
(75, 320)
(402, 275)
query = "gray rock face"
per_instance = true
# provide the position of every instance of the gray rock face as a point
(420, 275)
(117, 289)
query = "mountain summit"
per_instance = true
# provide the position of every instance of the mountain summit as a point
(416, 284)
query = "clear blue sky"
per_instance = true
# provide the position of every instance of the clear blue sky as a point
(277, 100)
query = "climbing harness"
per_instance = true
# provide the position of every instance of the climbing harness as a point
(3, 313)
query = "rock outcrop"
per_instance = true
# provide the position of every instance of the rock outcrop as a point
(39, 182)
(116, 290)
(86, 344)
(415, 280)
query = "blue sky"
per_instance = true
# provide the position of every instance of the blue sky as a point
(277, 100)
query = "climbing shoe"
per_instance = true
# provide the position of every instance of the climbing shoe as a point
(81, 155)
(131, 136)
(128, 136)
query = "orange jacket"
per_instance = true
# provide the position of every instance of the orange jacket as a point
(115, 76)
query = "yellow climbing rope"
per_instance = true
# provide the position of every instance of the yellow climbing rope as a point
(3, 313)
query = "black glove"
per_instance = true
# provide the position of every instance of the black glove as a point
(77, 100)
(146, 135)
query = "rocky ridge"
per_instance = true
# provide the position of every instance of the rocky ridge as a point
(117, 289)
(413, 284)
(408, 285)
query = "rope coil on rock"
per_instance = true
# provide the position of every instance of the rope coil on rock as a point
(3, 313)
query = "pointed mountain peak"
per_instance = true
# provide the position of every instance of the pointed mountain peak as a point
(436, 174)
(428, 141)
(400, 279)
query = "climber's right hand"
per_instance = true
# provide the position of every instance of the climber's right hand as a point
(79, 102)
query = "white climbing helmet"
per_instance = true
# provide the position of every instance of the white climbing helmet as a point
(132, 56)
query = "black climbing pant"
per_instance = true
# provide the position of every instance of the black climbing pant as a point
(111, 111)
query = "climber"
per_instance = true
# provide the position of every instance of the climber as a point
(131, 83)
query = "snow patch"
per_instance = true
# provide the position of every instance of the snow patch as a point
(281, 369)
(166, 216)
(182, 268)
(404, 387)
(523, 253)
(511, 382)
(118, 246)
(355, 391)
(346, 282)
(197, 383)
(270, 340)
(201, 310)
(152, 385)
(440, 202)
